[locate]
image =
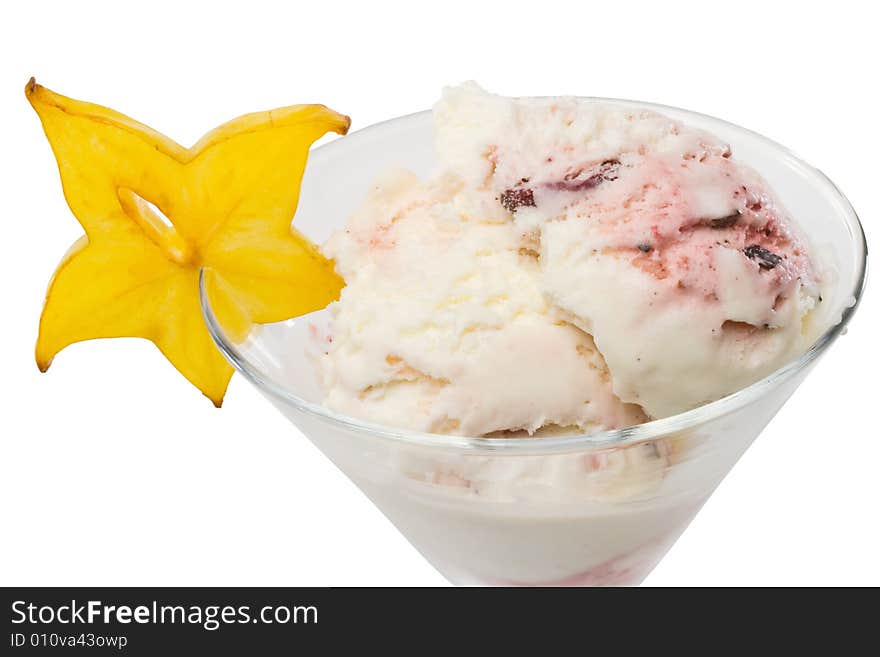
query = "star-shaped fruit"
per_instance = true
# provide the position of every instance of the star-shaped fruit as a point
(229, 201)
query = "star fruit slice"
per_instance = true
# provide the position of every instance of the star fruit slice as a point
(229, 201)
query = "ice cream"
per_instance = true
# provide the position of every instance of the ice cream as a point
(568, 266)
(443, 326)
(573, 266)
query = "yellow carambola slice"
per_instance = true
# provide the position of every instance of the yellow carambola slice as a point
(230, 200)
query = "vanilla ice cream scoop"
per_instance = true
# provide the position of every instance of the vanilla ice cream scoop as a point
(651, 237)
(443, 327)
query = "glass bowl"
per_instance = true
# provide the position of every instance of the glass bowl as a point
(598, 509)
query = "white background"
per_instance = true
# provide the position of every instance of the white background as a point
(115, 471)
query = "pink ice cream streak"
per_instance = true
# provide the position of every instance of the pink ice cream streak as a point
(625, 570)
(645, 212)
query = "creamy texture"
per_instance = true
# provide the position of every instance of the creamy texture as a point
(442, 325)
(570, 260)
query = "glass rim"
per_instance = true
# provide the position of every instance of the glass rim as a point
(595, 440)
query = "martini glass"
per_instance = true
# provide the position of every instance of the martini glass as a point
(597, 509)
